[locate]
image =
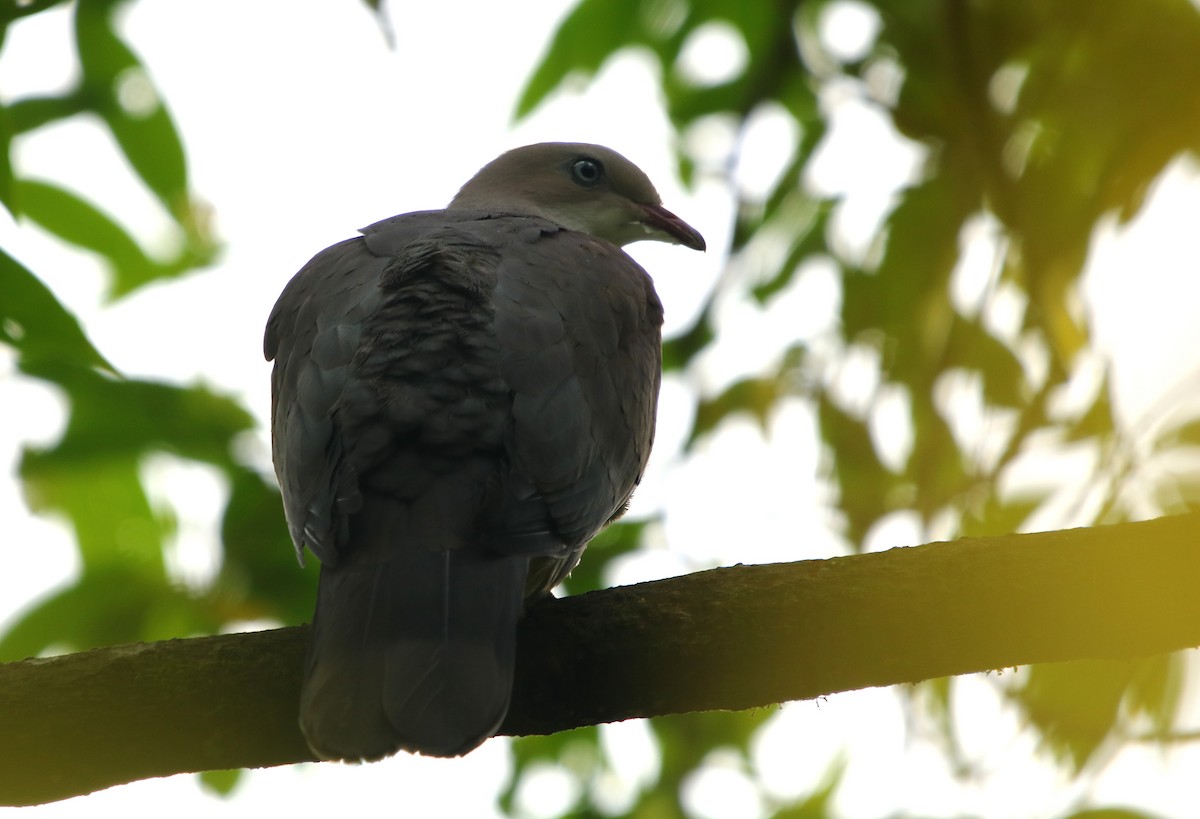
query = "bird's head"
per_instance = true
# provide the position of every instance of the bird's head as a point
(582, 187)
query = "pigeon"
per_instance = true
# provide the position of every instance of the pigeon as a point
(461, 400)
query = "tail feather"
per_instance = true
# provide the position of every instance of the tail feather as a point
(413, 652)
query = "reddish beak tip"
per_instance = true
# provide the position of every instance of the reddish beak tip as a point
(662, 220)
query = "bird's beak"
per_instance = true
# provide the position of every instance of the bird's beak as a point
(658, 219)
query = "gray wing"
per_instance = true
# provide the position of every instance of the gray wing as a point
(577, 329)
(578, 324)
(389, 422)
(459, 405)
(313, 334)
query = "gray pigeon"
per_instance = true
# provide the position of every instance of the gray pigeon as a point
(461, 399)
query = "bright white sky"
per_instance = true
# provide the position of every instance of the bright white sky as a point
(301, 126)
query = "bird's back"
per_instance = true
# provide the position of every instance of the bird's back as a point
(460, 401)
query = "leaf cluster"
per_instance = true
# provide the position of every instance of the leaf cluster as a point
(96, 476)
(1037, 123)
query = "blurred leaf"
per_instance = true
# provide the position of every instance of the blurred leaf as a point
(938, 468)
(810, 242)
(678, 351)
(116, 87)
(1075, 706)
(260, 577)
(1003, 376)
(1113, 813)
(92, 477)
(619, 539)
(1098, 97)
(8, 197)
(553, 749)
(1181, 431)
(819, 803)
(121, 92)
(863, 482)
(222, 783)
(15, 9)
(81, 223)
(1097, 421)
(37, 325)
(1179, 494)
(592, 32)
(113, 417)
(757, 396)
(762, 28)
(685, 740)
(1156, 691)
(105, 503)
(1000, 516)
(30, 113)
(106, 606)
(1047, 116)
(907, 296)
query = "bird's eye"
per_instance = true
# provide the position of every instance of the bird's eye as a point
(586, 171)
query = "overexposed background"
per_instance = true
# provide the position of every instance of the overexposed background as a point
(301, 125)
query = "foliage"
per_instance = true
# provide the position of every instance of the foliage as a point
(1037, 120)
(93, 477)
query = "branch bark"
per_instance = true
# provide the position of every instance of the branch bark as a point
(733, 638)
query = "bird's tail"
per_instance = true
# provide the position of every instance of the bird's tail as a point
(413, 652)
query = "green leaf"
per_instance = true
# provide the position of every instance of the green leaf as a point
(910, 296)
(11, 11)
(571, 750)
(590, 34)
(686, 739)
(81, 223)
(621, 538)
(105, 503)
(864, 483)
(819, 803)
(221, 783)
(937, 468)
(92, 477)
(1180, 431)
(118, 418)
(8, 196)
(1075, 706)
(972, 347)
(1097, 420)
(1113, 813)
(92, 474)
(113, 604)
(30, 113)
(260, 577)
(808, 241)
(1000, 516)
(120, 91)
(678, 352)
(37, 325)
(1157, 688)
(757, 396)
